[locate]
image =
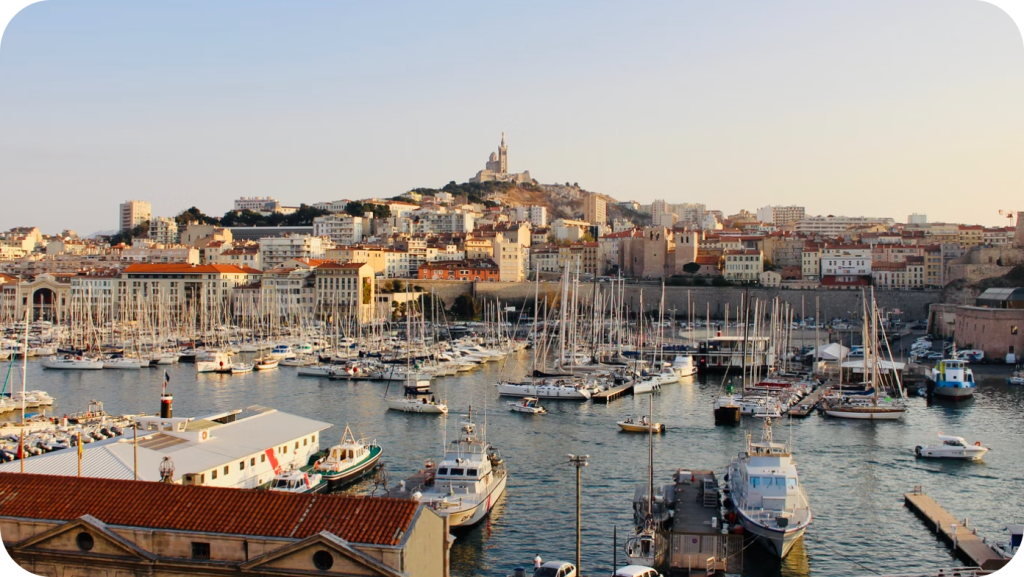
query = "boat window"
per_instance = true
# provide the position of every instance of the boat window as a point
(791, 483)
(442, 471)
(471, 472)
(755, 482)
(767, 481)
(458, 472)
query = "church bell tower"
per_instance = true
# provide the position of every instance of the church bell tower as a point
(503, 155)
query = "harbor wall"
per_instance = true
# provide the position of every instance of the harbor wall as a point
(832, 303)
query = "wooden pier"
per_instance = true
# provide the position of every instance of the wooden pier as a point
(612, 393)
(807, 405)
(965, 544)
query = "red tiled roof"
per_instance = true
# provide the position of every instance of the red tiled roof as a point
(183, 268)
(707, 260)
(372, 520)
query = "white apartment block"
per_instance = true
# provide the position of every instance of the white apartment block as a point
(163, 230)
(132, 213)
(846, 260)
(288, 292)
(688, 214)
(512, 259)
(917, 218)
(780, 215)
(658, 208)
(274, 250)
(837, 225)
(257, 204)
(535, 215)
(443, 221)
(341, 228)
(161, 254)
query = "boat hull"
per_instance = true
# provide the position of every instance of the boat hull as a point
(472, 515)
(73, 365)
(418, 407)
(776, 541)
(727, 415)
(953, 390)
(543, 392)
(865, 415)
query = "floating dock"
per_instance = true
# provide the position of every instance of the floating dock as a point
(965, 544)
(807, 405)
(612, 393)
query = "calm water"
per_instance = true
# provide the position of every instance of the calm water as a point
(855, 473)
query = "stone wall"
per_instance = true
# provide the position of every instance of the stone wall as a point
(702, 300)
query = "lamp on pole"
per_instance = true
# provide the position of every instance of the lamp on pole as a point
(578, 461)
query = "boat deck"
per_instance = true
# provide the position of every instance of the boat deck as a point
(810, 402)
(612, 393)
(691, 515)
(965, 543)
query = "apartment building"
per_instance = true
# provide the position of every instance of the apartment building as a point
(595, 209)
(132, 213)
(483, 270)
(535, 215)
(178, 284)
(345, 291)
(512, 259)
(274, 250)
(780, 215)
(341, 228)
(164, 230)
(743, 265)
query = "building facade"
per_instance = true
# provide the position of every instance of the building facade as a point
(132, 213)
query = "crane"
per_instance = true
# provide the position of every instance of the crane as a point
(1006, 213)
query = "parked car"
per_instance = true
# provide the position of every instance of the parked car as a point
(556, 569)
(636, 571)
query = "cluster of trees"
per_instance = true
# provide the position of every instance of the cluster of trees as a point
(466, 307)
(359, 208)
(696, 281)
(302, 217)
(127, 235)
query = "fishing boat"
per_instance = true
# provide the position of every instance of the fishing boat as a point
(528, 405)
(266, 364)
(72, 363)
(951, 379)
(765, 491)
(295, 480)
(241, 368)
(469, 480)
(952, 448)
(349, 460)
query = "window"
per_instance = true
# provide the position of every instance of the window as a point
(471, 472)
(312, 439)
(200, 550)
(84, 541)
(263, 458)
(303, 442)
(213, 475)
(225, 469)
(296, 445)
(241, 465)
(1013, 330)
(252, 462)
(323, 560)
(442, 471)
(459, 472)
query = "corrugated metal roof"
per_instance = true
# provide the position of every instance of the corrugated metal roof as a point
(372, 520)
(114, 458)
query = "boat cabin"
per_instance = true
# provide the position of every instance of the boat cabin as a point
(293, 481)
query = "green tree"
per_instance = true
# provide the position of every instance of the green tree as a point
(699, 281)
(720, 281)
(769, 265)
(367, 290)
(126, 236)
(193, 214)
(465, 306)
(691, 267)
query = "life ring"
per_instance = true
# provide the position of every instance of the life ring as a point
(977, 443)
(203, 434)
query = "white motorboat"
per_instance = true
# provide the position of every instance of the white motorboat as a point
(315, 370)
(295, 480)
(529, 405)
(165, 359)
(72, 363)
(303, 361)
(766, 492)
(282, 351)
(469, 480)
(241, 368)
(952, 448)
(646, 385)
(1007, 549)
(684, 366)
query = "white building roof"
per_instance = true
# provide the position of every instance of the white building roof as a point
(226, 444)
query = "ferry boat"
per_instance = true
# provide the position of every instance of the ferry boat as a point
(469, 480)
(766, 493)
(349, 460)
(951, 379)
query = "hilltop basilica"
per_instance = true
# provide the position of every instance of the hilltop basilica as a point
(497, 168)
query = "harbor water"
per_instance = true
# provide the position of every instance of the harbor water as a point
(855, 473)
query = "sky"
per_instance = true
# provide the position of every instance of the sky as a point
(874, 108)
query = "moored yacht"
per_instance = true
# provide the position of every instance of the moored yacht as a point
(72, 362)
(469, 480)
(766, 493)
(952, 448)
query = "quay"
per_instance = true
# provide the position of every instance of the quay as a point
(808, 403)
(612, 393)
(965, 543)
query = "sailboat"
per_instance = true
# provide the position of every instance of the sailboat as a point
(646, 546)
(873, 407)
(415, 399)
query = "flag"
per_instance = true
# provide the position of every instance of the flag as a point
(167, 378)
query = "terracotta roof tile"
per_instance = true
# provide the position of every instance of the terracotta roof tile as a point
(371, 520)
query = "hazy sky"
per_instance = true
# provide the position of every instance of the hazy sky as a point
(861, 108)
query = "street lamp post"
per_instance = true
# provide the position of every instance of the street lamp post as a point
(578, 461)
